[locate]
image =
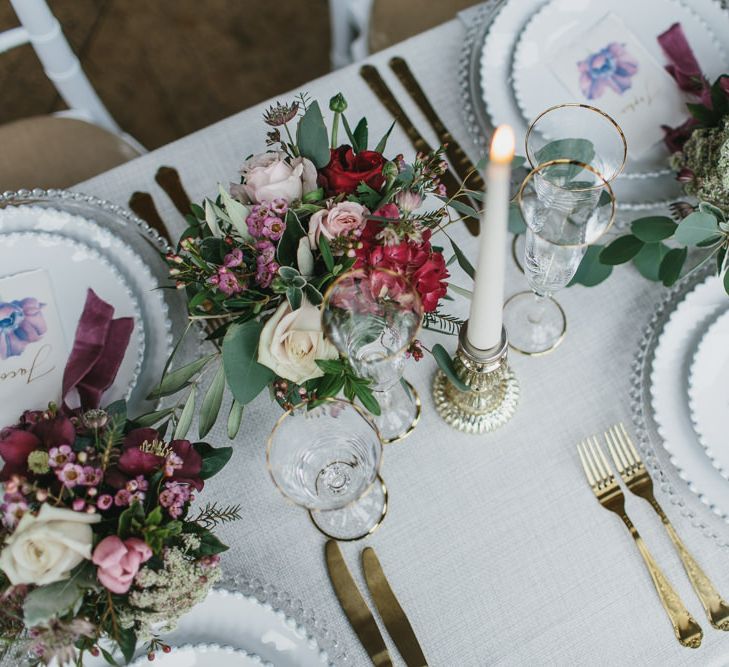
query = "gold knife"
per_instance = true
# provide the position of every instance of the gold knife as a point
(355, 607)
(143, 205)
(169, 180)
(378, 86)
(456, 155)
(392, 613)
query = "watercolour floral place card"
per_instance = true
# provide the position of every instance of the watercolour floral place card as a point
(33, 349)
(607, 66)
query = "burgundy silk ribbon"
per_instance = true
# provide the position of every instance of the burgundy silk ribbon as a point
(98, 350)
(684, 67)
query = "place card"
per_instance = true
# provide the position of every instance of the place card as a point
(608, 67)
(33, 347)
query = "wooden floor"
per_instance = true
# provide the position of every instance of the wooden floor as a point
(166, 68)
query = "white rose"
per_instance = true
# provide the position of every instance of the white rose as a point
(291, 341)
(45, 548)
(269, 176)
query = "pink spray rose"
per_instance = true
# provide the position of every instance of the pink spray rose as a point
(344, 219)
(118, 561)
(270, 176)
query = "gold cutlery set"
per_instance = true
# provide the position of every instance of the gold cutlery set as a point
(462, 169)
(359, 614)
(632, 471)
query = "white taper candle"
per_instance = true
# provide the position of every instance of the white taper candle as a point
(485, 319)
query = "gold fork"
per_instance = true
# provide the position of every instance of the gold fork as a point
(636, 478)
(606, 489)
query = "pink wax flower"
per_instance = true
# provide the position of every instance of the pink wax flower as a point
(71, 475)
(233, 258)
(59, 456)
(228, 283)
(118, 561)
(105, 502)
(21, 323)
(272, 228)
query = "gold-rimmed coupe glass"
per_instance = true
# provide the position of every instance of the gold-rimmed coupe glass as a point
(580, 132)
(567, 205)
(372, 316)
(327, 459)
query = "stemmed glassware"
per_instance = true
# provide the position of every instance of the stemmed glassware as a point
(327, 458)
(372, 316)
(567, 205)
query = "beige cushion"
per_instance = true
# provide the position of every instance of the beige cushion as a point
(392, 22)
(52, 152)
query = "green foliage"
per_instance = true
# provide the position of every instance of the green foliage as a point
(696, 227)
(382, 143)
(591, 271)
(288, 245)
(211, 403)
(340, 376)
(621, 250)
(53, 600)
(516, 219)
(312, 138)
(360, 135)
(235, 417)
(671, 265)
(246, 378)
(648, 260)
(185, 419)
(445, 363)
(653, 229)
(178, 379)
(463, 261)
(214, 458)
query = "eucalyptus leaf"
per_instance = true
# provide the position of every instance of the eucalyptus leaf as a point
(653, 228)
(212, 220)
(577, 149)
(445, 363)
(53, 600)
(151, 418)
(463, 261)
(463, 209)
(211, 402)
(188, 412)
(235, 417)
(670, 268)
(312, 138)
(591, 270)
(516, 219)
(710, 209)
(696, 227)
(460, 290)
(621, 250)
(245, 376)
(648, 260)
(177, 379)
(726, 281)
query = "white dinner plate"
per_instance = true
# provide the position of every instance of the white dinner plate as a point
(204, 655)
(496, 57)
(73, 267)
(536, 87)
(130, 254)
(668, 391)
(231, 619)
(709, 393)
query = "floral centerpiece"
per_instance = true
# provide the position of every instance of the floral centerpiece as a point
(100, 547)
(257, 259)
(698, 229)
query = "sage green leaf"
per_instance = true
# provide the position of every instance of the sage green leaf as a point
(591, 270)
(237, 213)
(294, 295)
(653, 228)
(712, 240)
(726, 281)
(235, 416)
(445, 363)
(211, 403)
(53, 600)
(367, 398)
(177, 379)
(460, 290)
(696, 227)
(305, 258)
(326, 252)
(361, 135)
(151, 418)
(648, 260)
(463, 209)
(670, 268)
(463, 261)
(580, 150)
(311, 137)
(380, 148)
(245, 376)
(710, 209)
(720, 257)
(621, 250)
(127, 640)
(288, 273)
(516, 219)
(214, 459)
(212, 220)
(188, 412)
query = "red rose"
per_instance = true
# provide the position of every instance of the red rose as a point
(346, 170)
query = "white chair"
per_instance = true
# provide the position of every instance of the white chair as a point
(43, 31)
(350, 23)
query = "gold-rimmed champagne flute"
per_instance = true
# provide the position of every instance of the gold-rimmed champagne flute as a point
(326, 457)
(372, 316)
(567, 205)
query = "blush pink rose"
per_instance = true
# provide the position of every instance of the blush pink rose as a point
(344, 219)
(270, 176)
(118, 561)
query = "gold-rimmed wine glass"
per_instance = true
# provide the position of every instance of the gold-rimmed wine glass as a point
(326, 457)
(567, 205)
(372, 316)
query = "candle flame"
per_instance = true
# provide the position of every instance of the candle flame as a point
(502, 145)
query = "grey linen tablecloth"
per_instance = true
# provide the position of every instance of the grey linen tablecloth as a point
(494, 544)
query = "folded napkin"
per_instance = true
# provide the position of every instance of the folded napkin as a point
(98, 350)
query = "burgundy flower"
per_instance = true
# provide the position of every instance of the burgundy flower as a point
(346, 170)
(144, 453)
(15, 446)
(21, 323)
